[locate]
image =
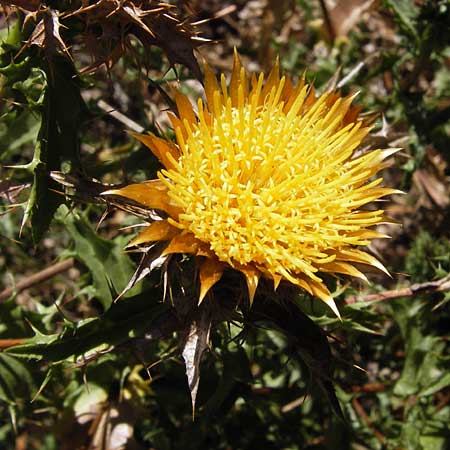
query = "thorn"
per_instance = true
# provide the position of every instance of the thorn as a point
(102, 217)
(28, 166)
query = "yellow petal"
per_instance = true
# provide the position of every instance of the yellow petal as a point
(310, 99)
(288, 90)
(152, 194)
(351, 115)
(203, 250)
(317, 289)
(272, 80)
(371, 234)
(176, 123)
(183, 243)
(361, 257)
(238, 81)
(160, 230)
(184, 107)
(276, 281)
(211, 86)
(297, 98)
(344, 268)
(252, 276)
(211, 271)
(321, 291)
(161, 148)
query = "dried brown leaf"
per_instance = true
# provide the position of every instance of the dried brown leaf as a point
(435, 188)
(342, 15)
(178, 42)
(47, 34)
(10, 192)
(152, 23)
(195, 343)
(26, 5)
(151, 260)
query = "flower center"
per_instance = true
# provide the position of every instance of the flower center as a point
(261, 185)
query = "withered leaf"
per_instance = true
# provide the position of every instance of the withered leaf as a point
(47, 34)
(343, 15)
(10, 192)
(195, 343)
(150, 261)
(178, 43)
(435, 188)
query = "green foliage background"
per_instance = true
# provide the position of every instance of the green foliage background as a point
(87, 365)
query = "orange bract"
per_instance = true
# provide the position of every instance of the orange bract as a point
(263, 180)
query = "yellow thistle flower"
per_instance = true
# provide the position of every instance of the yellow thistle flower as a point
(263, 179)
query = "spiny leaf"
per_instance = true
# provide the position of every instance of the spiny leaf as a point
(127, 319)
(17, 129)
(406, 12)
(236, 369)
(57, 144)
(110, 267)
(308, 340)
(15, 379)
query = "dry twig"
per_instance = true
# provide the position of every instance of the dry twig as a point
(440, 285)
(37, 278)
(366, 419)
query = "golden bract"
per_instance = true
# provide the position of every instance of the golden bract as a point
(263, 179)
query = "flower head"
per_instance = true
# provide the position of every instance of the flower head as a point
(264, 179)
